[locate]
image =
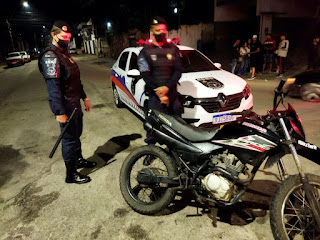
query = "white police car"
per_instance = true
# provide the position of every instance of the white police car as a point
(208, 93)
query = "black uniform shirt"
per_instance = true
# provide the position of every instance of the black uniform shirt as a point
(55, 73)
(145, 66)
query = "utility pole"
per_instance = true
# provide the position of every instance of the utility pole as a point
(10, 34)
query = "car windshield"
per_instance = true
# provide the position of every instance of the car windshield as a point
(193, 61)
(13, 54)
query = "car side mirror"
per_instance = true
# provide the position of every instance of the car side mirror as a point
(217, 65)
(134, 73)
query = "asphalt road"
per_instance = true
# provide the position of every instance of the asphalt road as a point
(35, 202)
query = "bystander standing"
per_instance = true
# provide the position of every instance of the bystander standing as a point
(235, 55)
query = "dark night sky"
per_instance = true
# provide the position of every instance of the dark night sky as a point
(27, 23)
(124, 12)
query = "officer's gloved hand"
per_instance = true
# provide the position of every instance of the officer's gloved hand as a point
(164, 100)
(87, 104)
(62, 118)
(161, 91)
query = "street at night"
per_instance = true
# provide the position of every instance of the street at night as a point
(36, 203)
(144, 120)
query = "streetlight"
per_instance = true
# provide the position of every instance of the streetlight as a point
(175, 10)
(108, 24)
(25, 4)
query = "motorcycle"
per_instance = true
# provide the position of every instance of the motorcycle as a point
(215, 165)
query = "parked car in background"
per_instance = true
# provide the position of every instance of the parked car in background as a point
(208, 93)
(73, 51)
(306, 85)
(25, 56)
(14, 58)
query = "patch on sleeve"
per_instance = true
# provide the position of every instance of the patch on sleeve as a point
(143, 64)
(51, 66)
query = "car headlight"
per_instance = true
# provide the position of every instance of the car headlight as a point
(246, 91)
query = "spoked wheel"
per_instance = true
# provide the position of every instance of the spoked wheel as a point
(147, 198)
(291, 216)
(116, 97)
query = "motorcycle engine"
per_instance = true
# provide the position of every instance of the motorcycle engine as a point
(220, 187)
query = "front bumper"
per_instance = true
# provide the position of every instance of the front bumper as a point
(199, 116)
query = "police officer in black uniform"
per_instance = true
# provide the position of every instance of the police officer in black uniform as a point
(65, 90)
(160, 66)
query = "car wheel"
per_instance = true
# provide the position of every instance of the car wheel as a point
(116, 97)
(310, 92)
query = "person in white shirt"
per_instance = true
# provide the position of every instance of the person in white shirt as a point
(282, 54)
(244, 51)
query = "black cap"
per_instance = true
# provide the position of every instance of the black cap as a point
(158, 20)
(63, 26)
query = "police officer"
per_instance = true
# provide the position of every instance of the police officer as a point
(65, 90)
(160, 66)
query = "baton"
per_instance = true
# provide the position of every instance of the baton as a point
(62, 133)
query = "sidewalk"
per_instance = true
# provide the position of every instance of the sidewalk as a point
(293, 67)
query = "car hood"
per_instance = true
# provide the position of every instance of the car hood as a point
(230, 84)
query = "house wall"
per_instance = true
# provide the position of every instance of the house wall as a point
(195, 36)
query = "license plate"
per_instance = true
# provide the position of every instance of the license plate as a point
(223, 118)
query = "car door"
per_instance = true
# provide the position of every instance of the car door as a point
(120, 75)
(131, 82)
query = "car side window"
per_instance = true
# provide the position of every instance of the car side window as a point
(133, 62)
(123, 60)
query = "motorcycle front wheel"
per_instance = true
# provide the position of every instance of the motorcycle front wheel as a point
(152, 198)
(291, 216)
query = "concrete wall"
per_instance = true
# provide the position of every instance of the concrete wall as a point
(190, 34)
(231, 12)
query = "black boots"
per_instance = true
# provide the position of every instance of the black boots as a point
(83, 163)
(73, 176)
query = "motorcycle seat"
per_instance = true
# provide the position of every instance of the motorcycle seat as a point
(193, 134)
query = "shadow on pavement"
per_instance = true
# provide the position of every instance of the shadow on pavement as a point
(255, 203)
(107, 151)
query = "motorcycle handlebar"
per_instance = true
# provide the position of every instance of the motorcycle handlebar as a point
(243, 113)
(280, 86)
(277, 92)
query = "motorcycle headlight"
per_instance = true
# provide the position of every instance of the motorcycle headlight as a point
(246, 91)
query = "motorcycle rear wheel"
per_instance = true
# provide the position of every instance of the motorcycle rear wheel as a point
(147, 199)
(290, 214)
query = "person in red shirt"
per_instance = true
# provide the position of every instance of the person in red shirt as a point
(269, 47)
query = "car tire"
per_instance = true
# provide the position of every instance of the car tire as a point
(310, 92)
(116, 97)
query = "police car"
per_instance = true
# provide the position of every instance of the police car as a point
(208, 93)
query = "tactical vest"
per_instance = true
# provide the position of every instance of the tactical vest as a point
(161, 63)
(69, 74)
